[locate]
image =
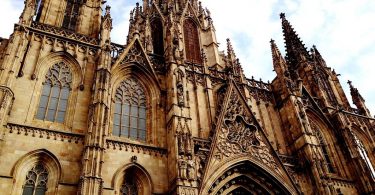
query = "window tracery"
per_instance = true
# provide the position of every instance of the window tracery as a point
(71, 14)
(191, 37)
(36, 181)
(157, 36)
(55, 93)
(130, 111)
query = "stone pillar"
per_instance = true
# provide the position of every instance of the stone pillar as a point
(91, 177)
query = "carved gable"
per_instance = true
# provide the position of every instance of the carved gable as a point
(239, 136)
(135, 54)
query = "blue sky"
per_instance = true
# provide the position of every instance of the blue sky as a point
(342, 30)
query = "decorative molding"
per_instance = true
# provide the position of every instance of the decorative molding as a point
(64, 33)
(132, 147)
(45, 133)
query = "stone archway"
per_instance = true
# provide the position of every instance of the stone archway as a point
(132, 179)
(246, 178)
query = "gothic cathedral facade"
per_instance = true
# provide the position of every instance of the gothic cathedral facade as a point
(167, 112)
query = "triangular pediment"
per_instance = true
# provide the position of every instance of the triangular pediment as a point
(238, 135)
(135, 55)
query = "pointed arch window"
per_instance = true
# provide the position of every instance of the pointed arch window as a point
(36, 181)
(157, 36)
(55, 94)
(129, 186)
(38, 10)
(324, 147)
(130, 111)
(71, 14)
(192, 49)
(364, 156)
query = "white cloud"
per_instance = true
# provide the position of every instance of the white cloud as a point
(10, 11)
(341, 29)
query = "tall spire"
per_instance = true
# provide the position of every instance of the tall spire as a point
(358, 100)
(295, 50)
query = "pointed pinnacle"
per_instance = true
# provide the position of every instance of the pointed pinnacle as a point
(295, 49)
(107, 10)
(230, 50)
(350, 84)
(278, 60)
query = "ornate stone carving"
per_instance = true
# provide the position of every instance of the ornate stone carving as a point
(64, 33)
(187, 191)
(239, 134)
(135, 56)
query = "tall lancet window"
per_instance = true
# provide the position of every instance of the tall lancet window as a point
(324, 148)
(364, 156)
(157, 36)
(56, 89)
(36, 181)
(192, 49)
(71, 14)
(38, 10)
(130, 111)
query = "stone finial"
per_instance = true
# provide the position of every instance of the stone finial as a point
(282, 15)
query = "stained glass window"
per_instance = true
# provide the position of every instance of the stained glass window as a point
(157, 36)
(71, 14)
(130, 111)
(36, 181)
(55, 94)
(192, 49)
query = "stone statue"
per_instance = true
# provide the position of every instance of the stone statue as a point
(180, 87)
(190, 168)
(182, 164)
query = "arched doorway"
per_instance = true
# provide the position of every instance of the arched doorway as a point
(246, 178)
(132, 179)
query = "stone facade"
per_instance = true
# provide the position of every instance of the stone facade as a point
(201, 126)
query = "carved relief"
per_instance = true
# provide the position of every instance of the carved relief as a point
(182, 164)
(135, 56)
(187, 191)
(239, 134)
(186, 159)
